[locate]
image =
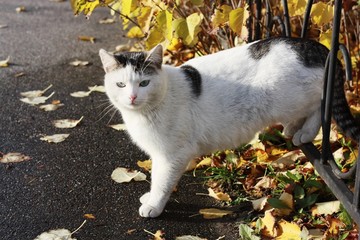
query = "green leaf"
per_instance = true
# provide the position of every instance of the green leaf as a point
(247, 233)
(307, 201)
(164, 22)
(345, 217)
(277, 203)
(312, 183)
(296, 177)
(236, 20)
(187, 29)
(299, 192)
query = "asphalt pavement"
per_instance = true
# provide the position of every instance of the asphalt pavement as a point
(62, 182)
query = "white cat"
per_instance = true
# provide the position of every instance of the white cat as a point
(217, 102)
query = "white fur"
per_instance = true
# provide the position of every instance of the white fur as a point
(240, 96)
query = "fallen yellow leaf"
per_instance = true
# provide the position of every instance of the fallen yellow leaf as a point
(288, 230)
(212, 213)
(5, 63)
(268, 224)
(219, 195)
(146, 165)
(87, 39)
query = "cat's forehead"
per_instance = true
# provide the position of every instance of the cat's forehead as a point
(137, 60)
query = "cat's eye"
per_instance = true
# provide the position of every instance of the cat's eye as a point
(144, 83)
(120, 84)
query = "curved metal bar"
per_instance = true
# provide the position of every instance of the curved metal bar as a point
(331, 76)
(286, 18)
(326, 149)
(342, 175)
(306, 18)
(346, 55)
(258, 18)
(249, 23)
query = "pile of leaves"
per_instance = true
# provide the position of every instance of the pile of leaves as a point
(289, 198)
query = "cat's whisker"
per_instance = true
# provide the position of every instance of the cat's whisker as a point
(112, 116)
(102, 104)
(108, 109)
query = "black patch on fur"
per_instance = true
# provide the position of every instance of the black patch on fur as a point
(310, 53)
(194, 78)
(259, 49)
(137, 60)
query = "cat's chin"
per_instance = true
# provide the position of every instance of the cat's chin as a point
(132, 106)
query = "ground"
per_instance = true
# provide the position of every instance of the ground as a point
(62, 182)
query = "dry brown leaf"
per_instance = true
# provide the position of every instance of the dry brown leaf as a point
(20, 9)
(97, 88)
(35, 93)
(58, 234)
(107, 21)
(189, 237)
(288, 200)
(335, 226)
(87, 39)
(122, 175)
(36, 100)
(157, 236)
(213, 213)
(13, 157)
(66, 123)
(56, 138)
(325, 208)
(146, 165)
(288, 159)
(5, 63)
(119, 127)
(77, 63)
(219, 195)
(288, 230)
(50, 107)
(80, 94)
(265, 183)
(259, 204)
(89, 216)
(20, 74)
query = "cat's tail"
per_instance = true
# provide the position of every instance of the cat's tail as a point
(340, 108)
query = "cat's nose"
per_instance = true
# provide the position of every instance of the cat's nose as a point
(132, 98)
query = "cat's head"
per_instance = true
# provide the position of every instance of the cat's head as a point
(134, 80)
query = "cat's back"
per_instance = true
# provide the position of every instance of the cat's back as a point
(273, 52)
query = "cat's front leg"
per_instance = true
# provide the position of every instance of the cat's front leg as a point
(165, 175)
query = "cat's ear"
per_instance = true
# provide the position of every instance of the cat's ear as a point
(156, 56)
(108, 60)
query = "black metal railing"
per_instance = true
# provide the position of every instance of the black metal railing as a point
(323, 161)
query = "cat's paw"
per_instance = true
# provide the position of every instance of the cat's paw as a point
(301, 137)
(149, 211)
(144, 198)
